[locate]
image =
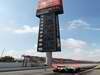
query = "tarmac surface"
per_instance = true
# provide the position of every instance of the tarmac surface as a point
(47, 72)
(38, 71)
(94, 72)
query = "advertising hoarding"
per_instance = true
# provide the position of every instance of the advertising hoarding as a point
(42, 4)
(47, 6)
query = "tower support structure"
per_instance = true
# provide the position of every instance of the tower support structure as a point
(49, 58)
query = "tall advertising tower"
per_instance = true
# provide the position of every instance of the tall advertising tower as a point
(49, 32)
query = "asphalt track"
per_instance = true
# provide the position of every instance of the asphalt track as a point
(48, 72)
(94, 71)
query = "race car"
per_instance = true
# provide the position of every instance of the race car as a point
(66, 69)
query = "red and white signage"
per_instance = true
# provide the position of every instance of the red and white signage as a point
(42, 4)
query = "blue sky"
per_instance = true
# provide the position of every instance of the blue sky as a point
(79, 26)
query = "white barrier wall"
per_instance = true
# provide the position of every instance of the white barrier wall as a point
(10, 65)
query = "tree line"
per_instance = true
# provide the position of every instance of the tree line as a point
(7, 59)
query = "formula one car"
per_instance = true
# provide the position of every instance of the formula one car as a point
(65, 69)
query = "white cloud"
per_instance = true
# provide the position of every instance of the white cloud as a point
(6, 29)
(94, 54)
(74, 48)
(20, 30)
(11, 26)
(74, 24)
(19, 53)
(72, 54)
(80, 24)
(73, 43)
(93, 29)
(33, 52)
(27, 29)
(81, 54)
(78, 54)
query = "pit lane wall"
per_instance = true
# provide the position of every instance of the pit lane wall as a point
(16, 65)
